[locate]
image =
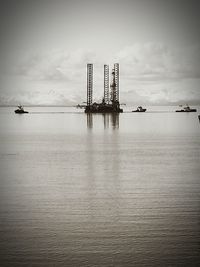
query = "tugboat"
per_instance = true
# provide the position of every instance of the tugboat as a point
(140, 109)
(187, 109)
(20, 110)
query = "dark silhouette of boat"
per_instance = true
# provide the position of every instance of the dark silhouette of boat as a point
(140, 109)
(20, 110)
(187, 109)
(80, 106)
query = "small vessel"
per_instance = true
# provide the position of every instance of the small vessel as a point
(80, 106)
(140, 109)
(20, 110)
(187, 109)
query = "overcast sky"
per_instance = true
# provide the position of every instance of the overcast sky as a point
(45, 46)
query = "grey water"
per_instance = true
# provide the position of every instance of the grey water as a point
(99, 190)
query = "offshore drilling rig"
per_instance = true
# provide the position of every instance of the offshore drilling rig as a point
(110, 102)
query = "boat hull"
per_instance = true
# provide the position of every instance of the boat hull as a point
(20, 111)
(139, 110)
(191, 110)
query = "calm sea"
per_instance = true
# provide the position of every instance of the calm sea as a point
(99, 190)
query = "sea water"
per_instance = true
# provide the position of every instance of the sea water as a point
(99, 190)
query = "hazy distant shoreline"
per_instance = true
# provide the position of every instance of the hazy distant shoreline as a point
(128, 105)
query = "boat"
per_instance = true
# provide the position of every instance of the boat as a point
(20, 110)
(140, 109)
(187, 109)
(80, 106)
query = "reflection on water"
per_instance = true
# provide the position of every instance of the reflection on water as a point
(109, 120)
(115, 120)
(89, 120)
(82, 189)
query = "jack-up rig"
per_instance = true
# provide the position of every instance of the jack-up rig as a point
(110, 102)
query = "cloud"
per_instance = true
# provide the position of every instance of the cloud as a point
(157, 62)
(143, 62)
(54, 65)
(149, 73)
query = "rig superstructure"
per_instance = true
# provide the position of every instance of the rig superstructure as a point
(110, 102)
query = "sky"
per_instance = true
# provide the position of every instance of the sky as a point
(46, 45)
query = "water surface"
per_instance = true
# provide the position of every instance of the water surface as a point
(99, 190)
